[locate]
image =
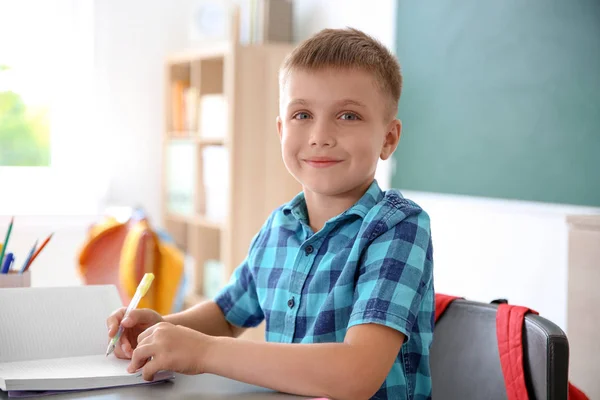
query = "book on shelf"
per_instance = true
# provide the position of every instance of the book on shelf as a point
(215, 170)
(181, 170)
(213, 116)
(184, 107)
(190, 108)
(177, 104)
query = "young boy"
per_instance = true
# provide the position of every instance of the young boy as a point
(342, 273)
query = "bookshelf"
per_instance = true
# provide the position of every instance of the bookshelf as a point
(222, 167)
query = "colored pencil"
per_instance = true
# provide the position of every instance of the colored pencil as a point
(4, 247)
(28, 259)
(38, 251)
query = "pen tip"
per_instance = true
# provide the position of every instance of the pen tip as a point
(109, 349)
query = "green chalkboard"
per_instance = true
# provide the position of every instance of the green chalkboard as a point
(501, 99)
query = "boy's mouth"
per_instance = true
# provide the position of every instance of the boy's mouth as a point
(321, 162)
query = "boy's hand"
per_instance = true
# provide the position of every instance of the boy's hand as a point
(137, 322)
(169, 347)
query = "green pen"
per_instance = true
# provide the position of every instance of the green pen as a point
(140, 292)
(3, 249)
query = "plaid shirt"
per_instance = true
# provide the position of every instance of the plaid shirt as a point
(370, 264)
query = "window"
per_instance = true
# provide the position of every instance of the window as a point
(46, 82)
(26, 38)
(24, 121)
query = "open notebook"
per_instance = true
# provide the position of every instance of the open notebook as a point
(54, 339)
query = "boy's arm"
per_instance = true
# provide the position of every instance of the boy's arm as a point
(239, 300)
(354, 369)
(207, 318)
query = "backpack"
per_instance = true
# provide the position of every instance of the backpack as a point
(509, 331)
(119, 251)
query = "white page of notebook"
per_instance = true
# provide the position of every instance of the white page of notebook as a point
(74, 373)
(41, 323)
(98, 366)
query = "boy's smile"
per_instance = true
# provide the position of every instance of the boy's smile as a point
(334, 127)
(321, 162)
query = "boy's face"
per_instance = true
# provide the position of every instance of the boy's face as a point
(334, 127)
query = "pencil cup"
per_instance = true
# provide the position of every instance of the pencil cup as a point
(14, 279)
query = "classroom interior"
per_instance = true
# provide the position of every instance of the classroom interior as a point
(115, 110)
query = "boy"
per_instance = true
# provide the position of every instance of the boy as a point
(342, 273)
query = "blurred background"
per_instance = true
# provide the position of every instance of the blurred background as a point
(112, 112)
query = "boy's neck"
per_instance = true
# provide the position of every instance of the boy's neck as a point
(321, 208)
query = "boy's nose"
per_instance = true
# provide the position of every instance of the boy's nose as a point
(322, 136)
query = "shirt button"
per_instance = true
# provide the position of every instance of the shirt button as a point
(308, 250)
(291, 303)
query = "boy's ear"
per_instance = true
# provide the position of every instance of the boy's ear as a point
(392, 137)
(279, 126)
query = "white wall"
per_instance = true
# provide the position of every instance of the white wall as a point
(489, 248)
(133, 38)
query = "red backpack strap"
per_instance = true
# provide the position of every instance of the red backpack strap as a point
(442, 301)
(509, 331)
(576, 394)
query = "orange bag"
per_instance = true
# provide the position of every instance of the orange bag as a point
(118, 252)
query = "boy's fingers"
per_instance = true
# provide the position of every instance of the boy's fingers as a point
(125, 341)
(119, 353)
(138, 316)
(150, 369)
(112, 322)
(126, 347)
(140, 356)
(112, 330)
(135, 317)
(129, 321)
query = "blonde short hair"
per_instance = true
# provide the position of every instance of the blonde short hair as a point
(348, 49)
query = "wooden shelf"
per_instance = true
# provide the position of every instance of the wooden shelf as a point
(192, 136)
(197, 220)
(212, 50)
(201, 221)
(182, 135)
(212, 141)
(244, 80)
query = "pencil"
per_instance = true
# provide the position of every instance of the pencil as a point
(26, 263)
(6, 240)
(38, 252)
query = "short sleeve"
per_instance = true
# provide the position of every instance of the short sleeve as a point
(238, 300)
(394, 274)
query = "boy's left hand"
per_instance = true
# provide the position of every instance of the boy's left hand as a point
(165, 346)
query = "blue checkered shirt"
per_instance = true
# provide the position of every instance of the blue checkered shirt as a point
(370, 264)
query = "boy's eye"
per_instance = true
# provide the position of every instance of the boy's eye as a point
(301, 115)
(349, 116)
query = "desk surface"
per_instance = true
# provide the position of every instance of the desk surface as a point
(205, 387)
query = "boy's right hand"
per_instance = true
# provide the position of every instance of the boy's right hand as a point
(137, 322)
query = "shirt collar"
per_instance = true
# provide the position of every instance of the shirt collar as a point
(297, 206)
